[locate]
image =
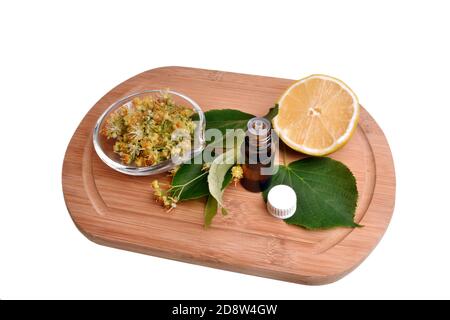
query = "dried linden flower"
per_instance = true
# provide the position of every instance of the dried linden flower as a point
(150, 130)
(237, 173)
(163, 196)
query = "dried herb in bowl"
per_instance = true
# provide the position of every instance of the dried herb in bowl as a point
(150, 130)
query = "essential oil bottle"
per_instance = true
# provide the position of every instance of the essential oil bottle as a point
(258, 158)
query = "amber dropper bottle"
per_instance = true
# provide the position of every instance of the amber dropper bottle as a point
(258, 159)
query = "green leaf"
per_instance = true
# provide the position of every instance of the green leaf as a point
(190, 182)
(212, 205)
(221, 165)
(272, 113)
(223, 120)
(227, 179)
(227, 119)
(326, 192)
(210, 211)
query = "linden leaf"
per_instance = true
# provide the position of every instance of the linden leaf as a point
(221, 165)
(210, 210)
(326, 192)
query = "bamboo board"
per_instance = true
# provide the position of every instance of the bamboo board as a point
(117, 210)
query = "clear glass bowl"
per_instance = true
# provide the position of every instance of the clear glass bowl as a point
(104, 146)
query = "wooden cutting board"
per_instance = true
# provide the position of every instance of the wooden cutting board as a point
(117, 210)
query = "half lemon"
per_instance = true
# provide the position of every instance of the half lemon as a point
(317, 115)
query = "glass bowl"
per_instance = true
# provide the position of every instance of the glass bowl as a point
(104, 146)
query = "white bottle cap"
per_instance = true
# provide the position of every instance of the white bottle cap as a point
(282, 201)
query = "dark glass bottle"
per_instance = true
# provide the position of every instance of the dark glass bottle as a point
(258, 160)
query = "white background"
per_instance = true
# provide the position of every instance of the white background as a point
(57, 59)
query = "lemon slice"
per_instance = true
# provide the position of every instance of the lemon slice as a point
(317, 115)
